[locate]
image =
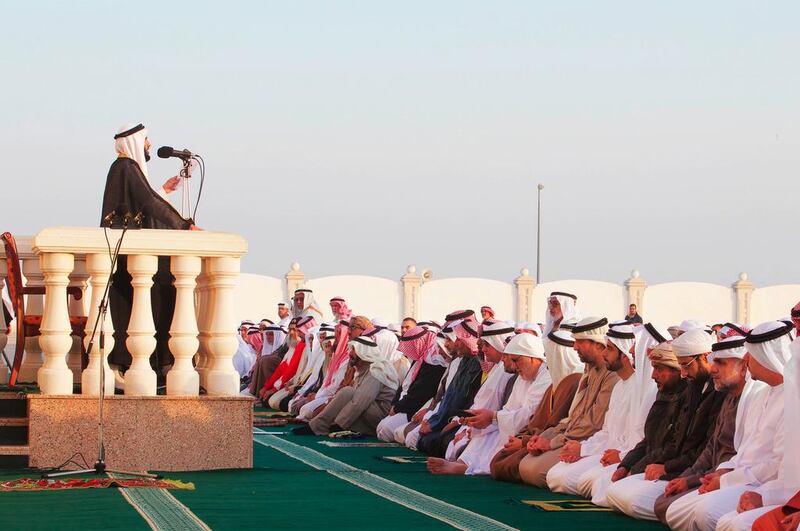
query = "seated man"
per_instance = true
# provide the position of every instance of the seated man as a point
(484, 432)
(437, 431)
(311, 379)
(728, 371)
(621, 428)
(566, 371)
(637, 483)
(420, 383)
(445, 340)
(775, 505)
(337, 370)
(588, 411)
(361, 407)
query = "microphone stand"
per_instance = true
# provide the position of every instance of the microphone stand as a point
(185, 195)
(100, 467)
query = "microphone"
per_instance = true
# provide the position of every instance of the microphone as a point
(137, 219)
(118, 212)
(165, 152)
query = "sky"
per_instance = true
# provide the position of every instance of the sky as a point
(358, 137)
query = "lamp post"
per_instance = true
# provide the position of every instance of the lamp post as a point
(539, 189)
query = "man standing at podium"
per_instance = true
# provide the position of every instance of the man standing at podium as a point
(128, 190)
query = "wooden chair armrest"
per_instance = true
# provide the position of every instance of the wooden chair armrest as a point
(33, 290)
(75, 291)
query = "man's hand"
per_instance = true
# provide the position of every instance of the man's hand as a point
(654, 472)
(748, 501)
(194, 227)
(709, 482)
(619, 473)
(676, 486)
(424, 428)
(610, 457)
(538, 444)
(171, 184)
(570, 452)
(481, 418)
(513, 443)
(418, 415)
(790, 522)
(312, 396)
(391, 411)
(461, 434)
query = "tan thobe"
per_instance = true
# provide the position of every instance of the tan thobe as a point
(585, 419)
(358, 408)
(552, 410)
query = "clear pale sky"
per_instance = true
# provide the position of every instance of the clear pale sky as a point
(360, 137)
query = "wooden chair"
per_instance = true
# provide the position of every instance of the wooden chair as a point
(29, 325)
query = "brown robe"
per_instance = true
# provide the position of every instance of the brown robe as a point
(552, 409)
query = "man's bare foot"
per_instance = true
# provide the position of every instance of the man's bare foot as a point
(437, 465)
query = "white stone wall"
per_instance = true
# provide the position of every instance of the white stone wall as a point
(670, 303)
(774, 302)
(440, 297)
(665, 304)
(370, 296)
(594, 298)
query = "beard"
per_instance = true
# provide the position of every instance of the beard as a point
(614, 365)
(147, 155)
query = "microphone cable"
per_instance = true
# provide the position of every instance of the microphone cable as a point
(202, 165)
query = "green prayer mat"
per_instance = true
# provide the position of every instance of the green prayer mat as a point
(349, 491)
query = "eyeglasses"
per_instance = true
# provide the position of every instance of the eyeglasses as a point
(688, 364)
(355, 326)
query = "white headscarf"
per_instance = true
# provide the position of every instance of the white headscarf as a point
(769, 343)
(562, 360)
(278, 338)
(380, 368)
(496, 334)
(132, 146)
(569, 310)
(622, 337)
(309, 306)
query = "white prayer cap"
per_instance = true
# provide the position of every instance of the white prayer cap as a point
(691, 324)
(730, 347)
(693, 342)
(769, 343)
(496, 334)
(527, 345)
(623, 338)
(379, 322)
(532, 327)
(591, 328)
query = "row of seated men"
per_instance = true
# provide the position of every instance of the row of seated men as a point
(688, 430)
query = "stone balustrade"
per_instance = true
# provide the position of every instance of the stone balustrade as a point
(205, 266)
